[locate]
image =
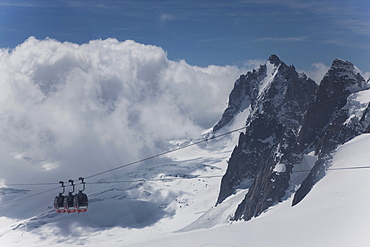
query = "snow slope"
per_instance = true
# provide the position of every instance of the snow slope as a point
(162, 195)
(335, 213)
(181, 212)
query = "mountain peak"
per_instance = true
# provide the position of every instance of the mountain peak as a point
(337, 63)
(274, 59)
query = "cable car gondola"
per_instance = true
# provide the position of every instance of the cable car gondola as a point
(68, 200)
(80, 200)
(59, 200)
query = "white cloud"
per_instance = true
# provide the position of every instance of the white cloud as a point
(69, 110)
(253, 63)
(366, 75)
(167, 17)
(317, 71)
(282, 39)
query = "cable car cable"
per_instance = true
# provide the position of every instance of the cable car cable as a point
(138, 161)
(31, 184)
(26, 197)
(213, 137)
(155, 179)
(170, 178)
(164, 153)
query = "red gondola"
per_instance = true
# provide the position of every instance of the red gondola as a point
(68, 200)
(59, 200)
(80, 200)
(71, 203)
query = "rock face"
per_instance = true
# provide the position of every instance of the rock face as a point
(278, 98)
(290, 115)
(340, 81)
(333, 119)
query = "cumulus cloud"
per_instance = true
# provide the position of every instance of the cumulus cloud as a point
(69, 110)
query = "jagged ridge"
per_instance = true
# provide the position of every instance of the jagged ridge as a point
(290, 116)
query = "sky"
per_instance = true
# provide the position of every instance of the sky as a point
(204, 32)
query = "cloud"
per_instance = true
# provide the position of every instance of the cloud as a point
(317, 71)
(167, 17)
(359, 26)
(69, 110)
(366, 75)
(283, 39)
(28, 4)
(253, 63)
(314, 7)
(348, 43)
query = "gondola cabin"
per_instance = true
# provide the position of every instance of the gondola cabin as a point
(59, 200)
(81, 202)
(59, 203)
(71, 203)
(69, 199)
(68, 203)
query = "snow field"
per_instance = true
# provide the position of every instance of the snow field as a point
(181, 212)
(171, 190)
(334, 213)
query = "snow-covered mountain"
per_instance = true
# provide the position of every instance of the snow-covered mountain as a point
(335, 213)
(335, 117)
(193, 196)
(289, 117)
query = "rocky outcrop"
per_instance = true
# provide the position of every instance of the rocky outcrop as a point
(333, 119)
(243, 95)
(339, 82)
(281, 97)
(289, 116)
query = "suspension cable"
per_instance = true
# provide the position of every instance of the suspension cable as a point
(164, 153)
(26, 197)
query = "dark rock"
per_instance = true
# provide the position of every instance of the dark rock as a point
(289, 116)
(328, 123)
(273, 125)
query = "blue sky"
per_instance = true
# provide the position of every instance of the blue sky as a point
(204, 32)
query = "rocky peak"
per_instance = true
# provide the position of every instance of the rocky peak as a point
(275, 60)
(339, 82)
(246, 91)
(265, 82)
(282, 98)
(345, 75)
(335, 118)
(289, 116)
(340, 63)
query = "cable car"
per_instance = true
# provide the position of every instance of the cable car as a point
(80, 200)
(59, 201)
(68, 200)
